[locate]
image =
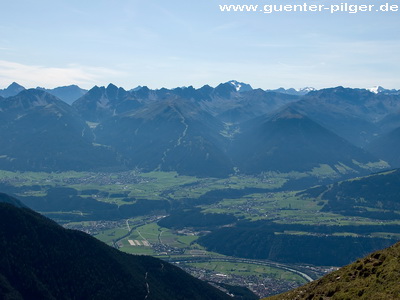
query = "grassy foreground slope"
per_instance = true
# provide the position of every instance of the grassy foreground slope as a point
(375, 277)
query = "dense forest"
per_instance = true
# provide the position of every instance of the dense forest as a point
(262, 241)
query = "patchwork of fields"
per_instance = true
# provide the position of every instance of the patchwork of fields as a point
(139, 213)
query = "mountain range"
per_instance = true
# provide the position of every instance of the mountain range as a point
(379, 89)
(72, 92)
(202, 132)
(42, 260)
(168, 135)
(66, 93)
(40, 132)
(355, 114)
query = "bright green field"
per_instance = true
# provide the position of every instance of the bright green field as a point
(281, 207)
(284, 207)
(245, 269)
(149, 186)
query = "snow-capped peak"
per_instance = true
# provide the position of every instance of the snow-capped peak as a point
(306, 89)
(240, 86)
(293, 91)
(237, 85)
(376, 89)
(380, 90)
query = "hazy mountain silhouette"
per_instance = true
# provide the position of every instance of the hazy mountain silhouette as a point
(67, 94)
(387, 147)
(12, 90)
(351, 113)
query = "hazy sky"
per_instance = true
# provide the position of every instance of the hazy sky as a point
(171, 43)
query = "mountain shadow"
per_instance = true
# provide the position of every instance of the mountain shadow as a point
(387, 147)
(264, 240)
(39, 132)
(169, 135)
(290, 141)
(41, 260)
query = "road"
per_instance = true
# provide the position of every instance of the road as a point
(212, 258)
(241, 260)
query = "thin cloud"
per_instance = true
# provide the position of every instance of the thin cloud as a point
(33, 75)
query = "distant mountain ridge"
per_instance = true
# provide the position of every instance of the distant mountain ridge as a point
(12, 90)
(72, 92)
(66, 93)
(378, 89)
(292, 91)
(201, 132)
(354, 114)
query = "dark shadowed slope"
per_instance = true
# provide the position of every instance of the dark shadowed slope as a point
(40, 132)
(169, 135)
(375, 196)
(4, 198)
(41, 260)
(387, 147)
(290, 141)
(100, 103)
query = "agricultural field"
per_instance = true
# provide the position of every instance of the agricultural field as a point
(105, 205)
(286, 208)
(114, 187)
(123, 188)
(247, 269)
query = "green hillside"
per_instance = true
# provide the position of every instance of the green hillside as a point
(375, 196)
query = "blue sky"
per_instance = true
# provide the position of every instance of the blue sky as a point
(175, 43)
